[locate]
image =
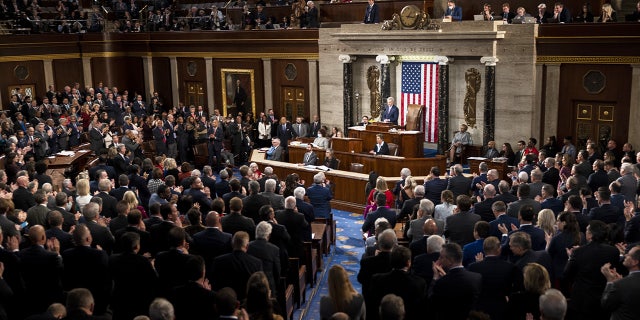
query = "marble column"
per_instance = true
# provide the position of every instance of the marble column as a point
(443, 104)
(634, 102)
(268, 87)
(489, 131)
(208, 62)
(551, 98)
(347, 90)
(48, 73)
(149, 85)
(385, 78)
(313, 87)
(173, 65)
(86, 72)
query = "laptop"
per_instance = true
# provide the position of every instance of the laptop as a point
(478, 17)
(529, 20)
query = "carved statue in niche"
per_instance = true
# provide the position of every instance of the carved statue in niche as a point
(473, 80)
(373, 82)
(297, 9)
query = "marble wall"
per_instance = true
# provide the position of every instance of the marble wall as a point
(464, 44)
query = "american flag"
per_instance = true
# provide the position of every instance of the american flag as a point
(420, 86)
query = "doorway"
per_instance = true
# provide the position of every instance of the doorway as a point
(194, 94)
(595, 120)
(294, 102)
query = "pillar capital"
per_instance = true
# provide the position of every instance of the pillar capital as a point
(345, 58)
(443, 60)
(383, 59)
(489, 61)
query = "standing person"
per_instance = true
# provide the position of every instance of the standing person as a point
(216, 136)
(621, 294)
(371, 14)
(160, 138)
(583, 269)
(312, 15)
(240, 98)
(461, 139)
(285, 132)
(390, 112)
(264, 131)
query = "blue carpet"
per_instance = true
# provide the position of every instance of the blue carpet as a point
(347, 252)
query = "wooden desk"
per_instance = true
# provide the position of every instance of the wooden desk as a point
(410, 143)
(346, 144)
(318, 230)
(348, 194)
(59, 164)
(388, 166)
(502, 167)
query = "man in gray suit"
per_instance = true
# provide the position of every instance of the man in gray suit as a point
(425, 211)
(40, 144)
(621, 295)
(277, 200)
(38, 213)
(310, 158)
(628, 182)
(301, 128)
(524, 190)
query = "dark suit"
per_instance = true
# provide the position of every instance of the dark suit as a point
(551, 176)
(145, 239)
(506, 198)
(38, 215)
(134, 279)
(459, 227)
(514, 207)
(455, 294)
(284, 133)
(295, 224)
(371, 15)
(320, 198)
(101, 236)
(483, 209)
(117, 223)
(118, 193)
(499, 279)
(222, 187)
(606, 213)
(251, 204)
(170, 266)
(502, 219)
(411, 288)
(23, 199)
(235, 222)
(233, 270)
(588, 282)
(553, 204)
(310, 158)
(65, 239)
(598, 179)
(370, 266)
(192, 301)
(422, 266)
(108, 205)
(382, 212)
(86, 267)
(621, 298)
(269, 254)
(390, 113)
(381, 149)
(433, 189)
(121, 164)
(308, 212)
(42, 274)
(96, 139)
(459, 185)
(227, 199)
(159, 236)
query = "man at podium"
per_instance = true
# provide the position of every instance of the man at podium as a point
(391, 112)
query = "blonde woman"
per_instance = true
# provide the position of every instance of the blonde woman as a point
(536, 282)
(171, 168)
(381, 186)
(407, 189)
(83, 197)
(608, 14)
(342, 296)
(131, 198)
(547, 222)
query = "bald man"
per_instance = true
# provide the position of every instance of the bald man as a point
(41, 267)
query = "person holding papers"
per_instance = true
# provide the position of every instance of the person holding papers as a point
(275, 152)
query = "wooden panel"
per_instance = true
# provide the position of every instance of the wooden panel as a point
(123, 72)
(617, 91)
(245, 64)
(383, 165)
(409, 144)
(161, 67)
(35, 77)
(346, 144)
(191, 70)
(502, 168)
(280, 79)
(66, 72)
